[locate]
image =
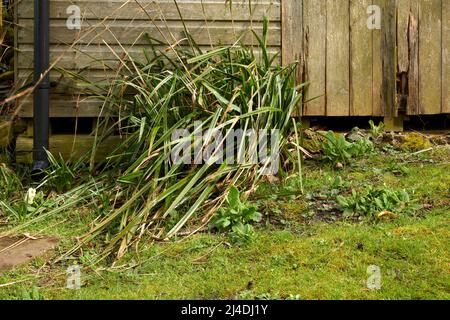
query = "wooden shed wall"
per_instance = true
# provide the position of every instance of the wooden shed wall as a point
(423, 53)
(352, 70)
(110, 26)
(343, 59)
(356, 71)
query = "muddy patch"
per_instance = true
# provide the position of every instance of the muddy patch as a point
(19, 250)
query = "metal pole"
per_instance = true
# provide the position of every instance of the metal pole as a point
(41, 92)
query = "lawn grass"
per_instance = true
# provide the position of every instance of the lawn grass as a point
(296, 254)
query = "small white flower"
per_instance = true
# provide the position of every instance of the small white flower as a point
(31, 194)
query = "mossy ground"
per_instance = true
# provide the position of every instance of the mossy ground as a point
(296, 254)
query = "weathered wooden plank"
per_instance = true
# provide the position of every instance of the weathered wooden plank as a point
(68, 85)
(56, 78)
(403, 11)
(292, 31)
(65, 106)
(445, 56)
(5, 133)
(389, 59)
(292, 35)
(377, 67)
(76, 60)
(137, 32)
(315, 41)
(361, 59)
(430, 59)
(338, 58)
(96, 57)
(161, 9)
(71, 147)
(413, 50)
(81, 57)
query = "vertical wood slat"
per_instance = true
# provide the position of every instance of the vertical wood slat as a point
(292, 31)
(430, 62)
(445, 56)
(377, 68)
(403, 18)
(389, 58)
(315, 38)
(413, 48)
(338, 58)
(403, 10)
(291, 38)
(361, 59)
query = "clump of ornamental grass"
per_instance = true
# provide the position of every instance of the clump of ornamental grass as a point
(227, 88)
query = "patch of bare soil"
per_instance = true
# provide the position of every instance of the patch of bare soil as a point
(19, 250)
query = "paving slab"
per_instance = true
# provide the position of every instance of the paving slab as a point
(15, 251)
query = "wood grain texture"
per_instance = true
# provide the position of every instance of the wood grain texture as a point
(292, 36)
(430, 56)
(389, 59)
(5, 133)
(69, 146)
(445, 56)
(360, 59)
(377, 67)
(352, 70)
(315, 41)
(66, 106)
(413, 49)
(97, 57)
(338, 59)
(161, 9)
(292, 31)
(137, 32)
(403, 12)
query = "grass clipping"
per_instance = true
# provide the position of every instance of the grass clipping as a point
(228, 88)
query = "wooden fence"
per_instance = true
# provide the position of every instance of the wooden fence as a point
(358, 71)
(353, 70)
(401, 68)
(109, 27)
